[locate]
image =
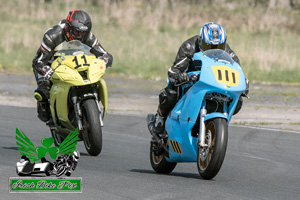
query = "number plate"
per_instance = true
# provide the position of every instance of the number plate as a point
(226, 75)
(80, 61)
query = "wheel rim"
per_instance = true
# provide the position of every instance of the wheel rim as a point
(157, 159)
(206, 153)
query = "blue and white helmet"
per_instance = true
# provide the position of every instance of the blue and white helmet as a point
(212, 36)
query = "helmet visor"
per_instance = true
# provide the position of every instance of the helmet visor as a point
(205, 46)
(78, 34)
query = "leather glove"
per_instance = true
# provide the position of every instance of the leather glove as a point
(183, 77)
(247, 87)
(47, 72)
(105, 58)
(246, 92)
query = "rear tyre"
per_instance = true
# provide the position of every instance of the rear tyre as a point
(92, 132)
(209, 161)
(159, 162)
(57, 138)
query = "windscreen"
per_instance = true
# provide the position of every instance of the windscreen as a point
(73, 47)
(219, 55)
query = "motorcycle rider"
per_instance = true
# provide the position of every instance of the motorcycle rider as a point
(77, 26)
(211, 36)
(67, 162)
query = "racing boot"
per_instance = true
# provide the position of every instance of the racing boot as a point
(43, 111)
(159, 124)
(156, 124)
(42, 95)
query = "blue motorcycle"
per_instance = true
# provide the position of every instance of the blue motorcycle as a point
(196, 130)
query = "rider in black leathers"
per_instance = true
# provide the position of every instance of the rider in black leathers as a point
(184, 63)
(77, 26)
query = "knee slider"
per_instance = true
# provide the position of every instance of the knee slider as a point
(162, 97)
(167, 97)
(42, 93)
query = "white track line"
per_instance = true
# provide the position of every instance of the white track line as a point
(268, 129)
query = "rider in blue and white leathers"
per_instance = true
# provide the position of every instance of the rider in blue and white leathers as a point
(211, 36)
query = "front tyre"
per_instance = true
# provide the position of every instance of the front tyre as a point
(159, 163)
(92, 133)
(210, 159)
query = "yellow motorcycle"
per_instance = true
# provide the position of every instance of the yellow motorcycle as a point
(78, 96)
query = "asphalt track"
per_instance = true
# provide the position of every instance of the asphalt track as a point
(259, 163)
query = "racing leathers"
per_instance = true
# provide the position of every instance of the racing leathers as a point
(54, 37)
(177, 73)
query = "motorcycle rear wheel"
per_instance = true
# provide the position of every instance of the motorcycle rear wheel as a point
(92, 132)
(209, 162)
(57, 138)
(160, 164)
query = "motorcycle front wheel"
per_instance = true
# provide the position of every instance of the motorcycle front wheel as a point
(210, 159)
(92, 132)
(159, 162)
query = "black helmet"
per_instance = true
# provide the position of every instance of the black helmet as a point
(79, 25)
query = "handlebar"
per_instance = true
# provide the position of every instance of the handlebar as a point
(193, 79)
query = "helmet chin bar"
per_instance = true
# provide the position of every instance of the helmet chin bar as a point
(204, 46)
(81, 36)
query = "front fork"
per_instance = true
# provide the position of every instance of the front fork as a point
(78, 113)
(203, 147)
(202, 132)
(201, 136)
(99, 109)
